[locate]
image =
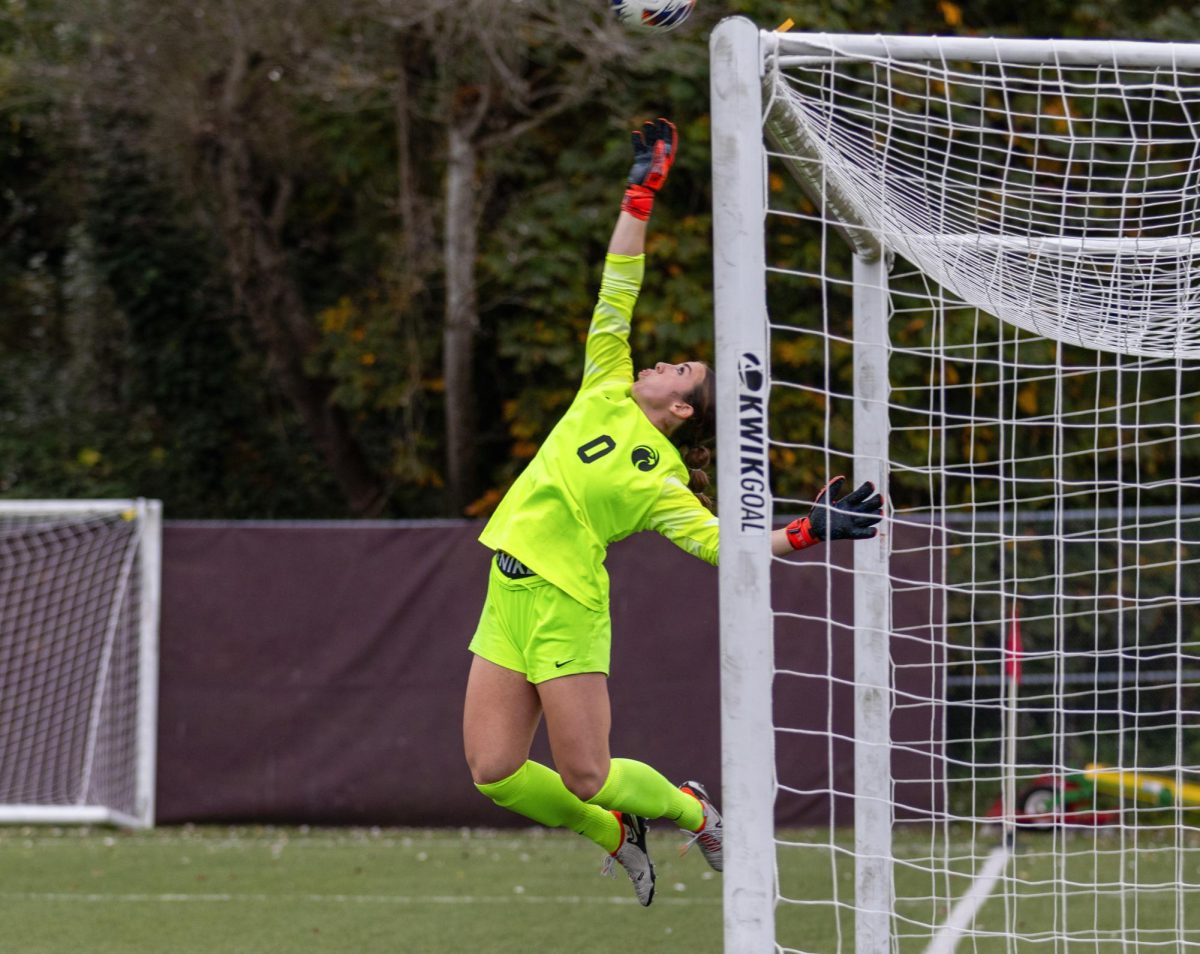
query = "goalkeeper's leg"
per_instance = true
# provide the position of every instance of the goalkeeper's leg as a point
(578, 718)
(500, 717)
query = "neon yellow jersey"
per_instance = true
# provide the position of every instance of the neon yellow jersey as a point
(605, 471)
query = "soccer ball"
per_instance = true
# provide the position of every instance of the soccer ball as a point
(655, 16)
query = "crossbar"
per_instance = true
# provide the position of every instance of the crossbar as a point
(794, 49)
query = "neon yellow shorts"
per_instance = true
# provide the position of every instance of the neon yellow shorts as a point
(531, 626)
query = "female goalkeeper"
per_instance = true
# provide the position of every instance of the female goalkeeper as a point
(608, 469)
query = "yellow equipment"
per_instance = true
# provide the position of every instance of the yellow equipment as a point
(1160, 790)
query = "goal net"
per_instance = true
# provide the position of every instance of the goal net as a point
(966, 270)
(79, 589)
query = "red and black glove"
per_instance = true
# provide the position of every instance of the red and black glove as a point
(654, 148)
(851, 518)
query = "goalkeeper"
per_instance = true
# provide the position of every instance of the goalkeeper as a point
(613, 465)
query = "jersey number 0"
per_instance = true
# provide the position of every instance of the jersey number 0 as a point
(596, 448)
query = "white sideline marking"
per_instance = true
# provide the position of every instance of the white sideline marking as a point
(964, 911)
(340, 898)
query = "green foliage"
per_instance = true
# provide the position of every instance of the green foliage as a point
(121, 373)
(188, 404)
(126, 367)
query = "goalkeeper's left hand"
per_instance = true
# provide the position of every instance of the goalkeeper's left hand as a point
(654, 149)
(853, 517)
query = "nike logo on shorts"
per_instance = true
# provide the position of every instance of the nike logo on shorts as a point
(559, 665)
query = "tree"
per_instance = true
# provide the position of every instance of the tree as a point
(274, 256)
(493, 86)
(227, 95)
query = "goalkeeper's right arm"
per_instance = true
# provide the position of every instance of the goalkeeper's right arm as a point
(654, 148)
(607, 353)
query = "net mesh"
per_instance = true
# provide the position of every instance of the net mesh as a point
(1044, 462)
(69, 653)
(1062, 200)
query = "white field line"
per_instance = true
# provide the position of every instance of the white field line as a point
(963, 913)
(397, 899)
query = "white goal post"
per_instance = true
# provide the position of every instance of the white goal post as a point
(79, 612)
(967, 270)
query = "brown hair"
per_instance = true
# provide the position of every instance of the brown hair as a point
(694, 436)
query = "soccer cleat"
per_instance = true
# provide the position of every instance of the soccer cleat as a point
(710, 835)
(633, 857)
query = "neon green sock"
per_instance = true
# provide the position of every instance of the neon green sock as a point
(636, 788)
(539, 793)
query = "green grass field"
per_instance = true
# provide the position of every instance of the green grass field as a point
(354, 891)
(210, 890)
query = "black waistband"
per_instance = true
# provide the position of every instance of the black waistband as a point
(511, 567)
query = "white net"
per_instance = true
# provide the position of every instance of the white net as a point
(1043, 418)
(1061, 199)
(72, 690)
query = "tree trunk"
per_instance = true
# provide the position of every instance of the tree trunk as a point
(267, 292)
(461, 317)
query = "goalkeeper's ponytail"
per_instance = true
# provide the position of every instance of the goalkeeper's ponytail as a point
(696, 459)
(694, 436)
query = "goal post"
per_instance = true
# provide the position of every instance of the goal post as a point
(968, 271)
(79, 612)
(747, 658)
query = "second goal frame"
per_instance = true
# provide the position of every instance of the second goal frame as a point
(79, 619)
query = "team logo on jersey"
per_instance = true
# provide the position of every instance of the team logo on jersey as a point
(644, 457)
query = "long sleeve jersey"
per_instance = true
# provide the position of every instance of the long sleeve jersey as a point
(605, 471)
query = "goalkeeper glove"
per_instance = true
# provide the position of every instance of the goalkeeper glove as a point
(654, 148)
(851, 518)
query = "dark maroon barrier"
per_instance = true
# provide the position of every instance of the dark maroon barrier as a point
(314, 673)
(814, 685)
